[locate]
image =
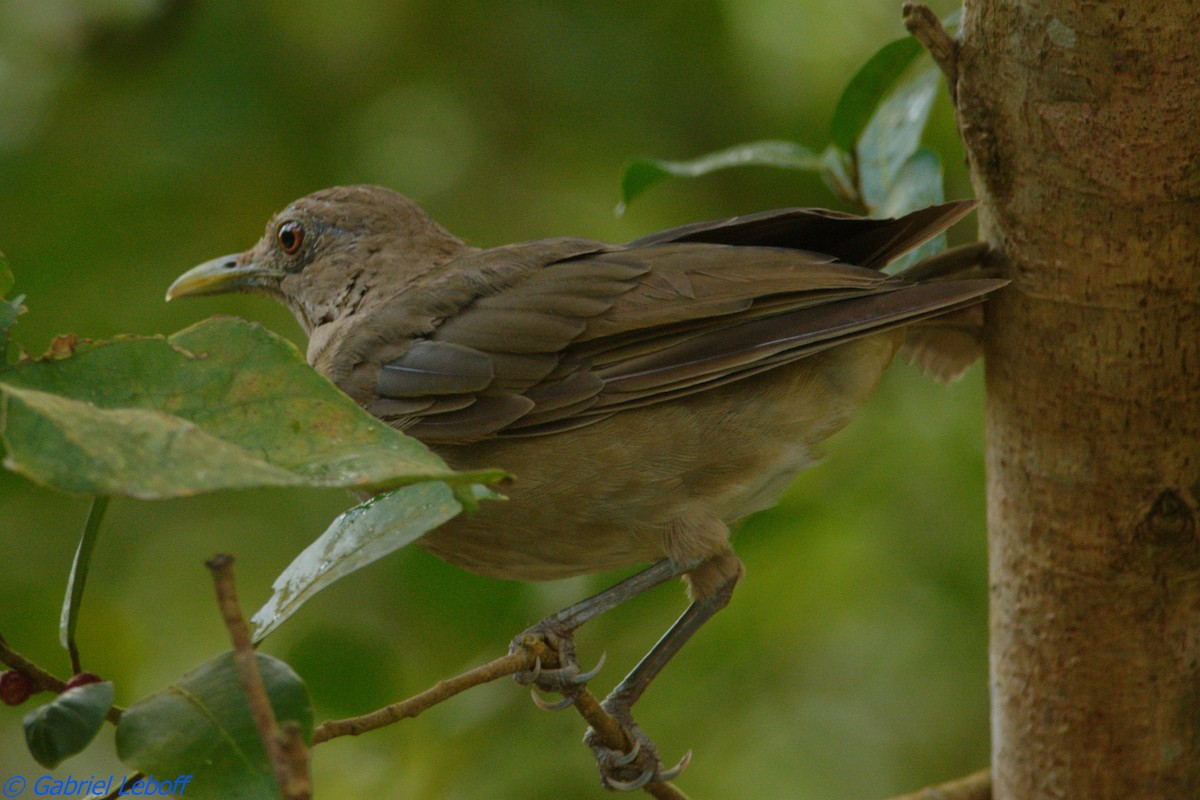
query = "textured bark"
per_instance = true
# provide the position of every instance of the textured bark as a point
(1082, 126)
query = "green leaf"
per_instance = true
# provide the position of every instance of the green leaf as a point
(872, 83)
(359, 537)
(837, 174)
(641, 174)
(893, 135)
(867, 89)
(201, 725)
(223, 404)
(67, 724)
(9, 311)
(918, 185)
(78, 579)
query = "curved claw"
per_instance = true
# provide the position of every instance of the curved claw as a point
(584, 677)
(629, 786)
(531, 675)
(627, 759)
(674, 771)
(546, 705)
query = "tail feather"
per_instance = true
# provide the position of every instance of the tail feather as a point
(864, 241)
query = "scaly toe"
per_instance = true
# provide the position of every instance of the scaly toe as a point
(627, 771)
(566, 678)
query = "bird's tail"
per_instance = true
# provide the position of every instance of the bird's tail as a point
(943, 347)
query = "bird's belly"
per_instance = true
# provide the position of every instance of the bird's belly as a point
(608, 495)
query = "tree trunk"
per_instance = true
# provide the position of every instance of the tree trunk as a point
(1082, 126)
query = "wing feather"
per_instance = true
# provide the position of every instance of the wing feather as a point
(578, 331)
(858, 240)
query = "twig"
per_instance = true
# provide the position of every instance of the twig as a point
(295, 753)
(246, 661)
(613, 737)
(923, 24)
(531, 652)
(664, 790)
(43, 681)
(607, 729)
(442, 690)
(976, 786)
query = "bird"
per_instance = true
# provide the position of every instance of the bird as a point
(646, 396)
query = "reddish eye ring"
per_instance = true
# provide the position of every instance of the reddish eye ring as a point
(290, 237)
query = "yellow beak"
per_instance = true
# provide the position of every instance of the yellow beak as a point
(223, 275)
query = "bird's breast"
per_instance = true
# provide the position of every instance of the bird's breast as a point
(607, 495)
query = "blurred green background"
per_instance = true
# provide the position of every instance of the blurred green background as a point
(139, 137)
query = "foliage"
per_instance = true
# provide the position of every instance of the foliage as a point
(360, 536)
(224, 404)
(874, 157)
(200, 726)
(68, 723)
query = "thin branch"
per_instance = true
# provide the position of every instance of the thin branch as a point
(924, 25)
(43, 681)
(295, 753)
(531, 652)
(293, 787)
(612, 736)
(976, 786)
(664, 790)
(442, 690)
(607, 729)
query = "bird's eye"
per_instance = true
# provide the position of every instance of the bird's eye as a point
(290, 237)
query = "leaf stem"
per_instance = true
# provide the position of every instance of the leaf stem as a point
(78, 580)
(43, 681)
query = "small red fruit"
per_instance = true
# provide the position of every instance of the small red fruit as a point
(82, 679)
(15, 688)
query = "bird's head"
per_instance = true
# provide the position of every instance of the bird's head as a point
(324, 253)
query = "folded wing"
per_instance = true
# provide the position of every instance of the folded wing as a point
(565, 339)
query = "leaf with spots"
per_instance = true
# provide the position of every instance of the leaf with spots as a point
(224, 404)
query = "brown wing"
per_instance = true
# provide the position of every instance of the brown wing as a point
(567, 340)
(856, 240)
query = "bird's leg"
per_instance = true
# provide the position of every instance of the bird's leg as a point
(641, 765)
(557, 630)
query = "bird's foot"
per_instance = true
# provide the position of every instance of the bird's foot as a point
(635, 767)
(558, 671)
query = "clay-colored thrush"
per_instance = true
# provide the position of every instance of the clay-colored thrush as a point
(646, 396)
